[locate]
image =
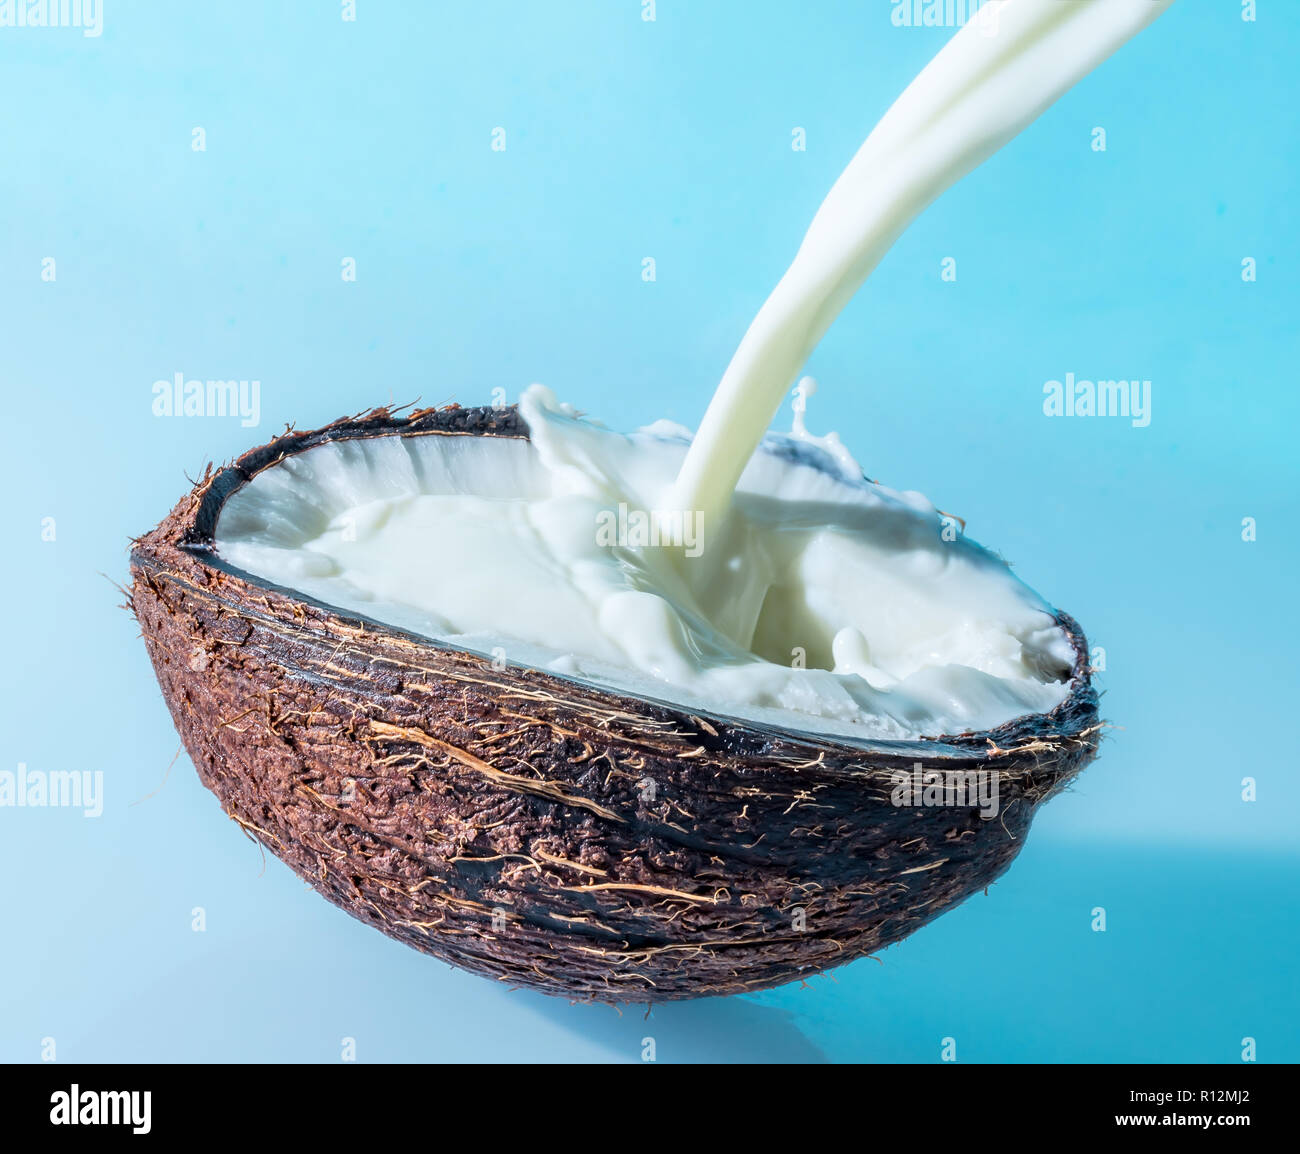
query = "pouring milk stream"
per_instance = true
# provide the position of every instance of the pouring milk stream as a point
(996, 76)
(822, 600)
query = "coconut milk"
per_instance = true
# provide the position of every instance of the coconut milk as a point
(991, 80)
(786, 588)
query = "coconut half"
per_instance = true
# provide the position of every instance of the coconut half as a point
(601, 841)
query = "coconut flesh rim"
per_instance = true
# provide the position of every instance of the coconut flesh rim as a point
(824, 603)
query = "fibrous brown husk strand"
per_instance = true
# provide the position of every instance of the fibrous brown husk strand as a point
(543, 832)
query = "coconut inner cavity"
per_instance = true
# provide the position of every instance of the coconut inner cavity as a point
(821, 602)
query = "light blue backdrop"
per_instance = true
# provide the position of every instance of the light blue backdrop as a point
(480, 269)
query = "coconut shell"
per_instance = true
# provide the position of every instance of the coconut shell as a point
(544, 832)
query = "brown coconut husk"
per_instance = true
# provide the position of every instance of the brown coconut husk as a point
(544, 832)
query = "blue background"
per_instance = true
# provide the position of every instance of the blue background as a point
(479, 270)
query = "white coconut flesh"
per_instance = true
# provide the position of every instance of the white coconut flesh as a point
(822, 603)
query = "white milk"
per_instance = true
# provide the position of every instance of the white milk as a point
(790, 590)
(828, 603)
(992, 79)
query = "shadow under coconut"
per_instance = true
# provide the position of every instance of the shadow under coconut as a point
(732, 1029)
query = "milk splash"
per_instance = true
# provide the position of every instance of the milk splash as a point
(994, 77)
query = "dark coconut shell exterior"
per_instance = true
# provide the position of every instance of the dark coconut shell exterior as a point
(543, 832)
